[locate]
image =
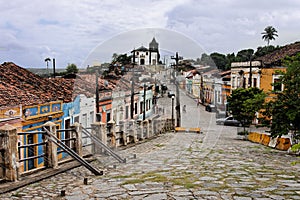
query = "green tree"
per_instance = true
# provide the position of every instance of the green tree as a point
(219, 60)
(244, 103)
(72, 69)
(261, 51)
(245, 55)
(269, 34)
(206, 60)
(284, 111)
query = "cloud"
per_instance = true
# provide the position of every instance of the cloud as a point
(70, 30)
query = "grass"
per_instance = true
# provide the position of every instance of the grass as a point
(184, 179)
(159, 145)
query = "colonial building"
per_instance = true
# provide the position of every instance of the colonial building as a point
(245, 74)
(147, 56)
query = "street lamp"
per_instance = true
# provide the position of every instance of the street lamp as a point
(172, 111)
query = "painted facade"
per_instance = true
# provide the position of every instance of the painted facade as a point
(34, 117)
(240, 74)
(104, 106)
(145, 103)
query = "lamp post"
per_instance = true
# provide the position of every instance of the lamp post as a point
(172, 110)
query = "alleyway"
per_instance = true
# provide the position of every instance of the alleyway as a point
(210, 165)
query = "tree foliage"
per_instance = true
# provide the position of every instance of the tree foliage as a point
(72, 69)
(284, 111)
(244, 103)
(219, 60)
(244, 55)
(122, 59)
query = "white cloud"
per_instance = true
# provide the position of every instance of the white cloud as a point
(69, 30)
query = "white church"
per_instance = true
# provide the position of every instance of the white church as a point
(147, 56)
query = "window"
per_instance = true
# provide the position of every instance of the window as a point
(135, 108)
(126, 112)
(233, 82)
(254, 82)
(107, 116)
(277, 86)
(84, 120)
(91, 117)
(98, 117)
(76, 119)
(141, 107)
(147, 105)
(244, 82)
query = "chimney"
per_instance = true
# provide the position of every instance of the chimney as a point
(53, 67)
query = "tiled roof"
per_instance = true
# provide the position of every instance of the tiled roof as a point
(19, 86)
(276, 56)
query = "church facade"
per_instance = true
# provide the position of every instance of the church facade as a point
(147, 56)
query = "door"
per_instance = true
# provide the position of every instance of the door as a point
(30, 151)
(142, 62)
(67, 133)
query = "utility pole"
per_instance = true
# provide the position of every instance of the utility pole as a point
(250, 72)
(132, 87)
(97, 96)
(144, 110)
(178, 116)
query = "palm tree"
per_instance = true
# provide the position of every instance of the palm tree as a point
(269, 34)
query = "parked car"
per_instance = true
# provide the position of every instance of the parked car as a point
(210, 108)
(170, 94)
(228, 121)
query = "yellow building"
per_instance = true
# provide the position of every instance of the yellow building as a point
(268, 77)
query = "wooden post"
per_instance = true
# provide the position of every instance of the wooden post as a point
(10, 145)
(51, 159)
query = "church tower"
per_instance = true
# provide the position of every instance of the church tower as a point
(154, 52)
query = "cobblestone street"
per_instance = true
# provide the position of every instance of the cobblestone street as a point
(210, 165)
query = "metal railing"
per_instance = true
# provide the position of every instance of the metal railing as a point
(71, 152)
(30, 149)
(102, 145)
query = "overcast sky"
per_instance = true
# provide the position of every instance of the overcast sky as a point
(71, 31)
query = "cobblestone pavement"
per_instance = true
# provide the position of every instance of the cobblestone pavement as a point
(210, 165)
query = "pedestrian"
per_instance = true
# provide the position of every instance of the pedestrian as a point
(184, 108)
